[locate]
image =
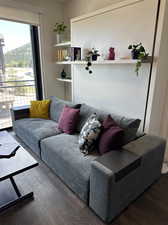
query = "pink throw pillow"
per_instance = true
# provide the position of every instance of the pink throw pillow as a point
(111, 137)
(68, 120)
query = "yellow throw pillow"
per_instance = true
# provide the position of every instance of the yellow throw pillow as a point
(40, 109)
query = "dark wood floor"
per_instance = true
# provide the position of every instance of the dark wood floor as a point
(55, 204)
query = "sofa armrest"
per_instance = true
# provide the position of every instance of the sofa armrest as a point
(146, 144)
(20, 112)
(108, 176)
(151, 149)
(119, 177)
(119, 162)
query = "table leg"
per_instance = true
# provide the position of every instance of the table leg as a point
(15, 187)
(19, 198)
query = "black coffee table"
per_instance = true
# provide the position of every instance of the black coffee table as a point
(21, 162)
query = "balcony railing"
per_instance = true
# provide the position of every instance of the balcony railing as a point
(14, 93)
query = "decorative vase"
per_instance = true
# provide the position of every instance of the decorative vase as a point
(111, 54)
(94, 57)
(63, 74)
(135, 54)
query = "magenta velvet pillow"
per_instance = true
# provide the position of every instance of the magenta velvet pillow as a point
(68, 120)
(111, 137)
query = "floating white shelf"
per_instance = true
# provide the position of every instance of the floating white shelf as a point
(117, 61)
(64, 62)
(107, 62)
(63, 44)
(64, 80)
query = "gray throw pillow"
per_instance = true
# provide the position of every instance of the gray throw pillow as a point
(89, 134)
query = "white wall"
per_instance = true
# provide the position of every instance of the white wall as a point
(159, 101)
(51, 12)
(115, 88)
(158, 110)
(157, 115)
(74, 8)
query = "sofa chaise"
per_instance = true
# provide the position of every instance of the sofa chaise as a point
(107, 183)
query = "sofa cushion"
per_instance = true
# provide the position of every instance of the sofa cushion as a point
(86, 111)
(111, 137)
(57, 106)
(32, 131)
(129, 125)
(62, 154)
(40, 109)
(89, 134)
(68, 120)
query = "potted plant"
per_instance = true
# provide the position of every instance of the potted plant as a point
(59, 29)
(138, 52)
(93, 54)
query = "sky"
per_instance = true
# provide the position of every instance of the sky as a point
(15, 34)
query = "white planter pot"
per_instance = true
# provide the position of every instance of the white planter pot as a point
(59, 38)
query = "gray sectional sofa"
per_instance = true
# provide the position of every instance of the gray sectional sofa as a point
(106, 183)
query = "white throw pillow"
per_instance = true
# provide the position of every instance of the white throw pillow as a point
(89, 134)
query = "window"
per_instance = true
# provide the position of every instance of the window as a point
(20, 75)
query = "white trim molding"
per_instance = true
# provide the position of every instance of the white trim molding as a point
(106, 10)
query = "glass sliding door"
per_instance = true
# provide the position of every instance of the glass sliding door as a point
(17, 77)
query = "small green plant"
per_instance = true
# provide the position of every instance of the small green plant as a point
(138, 52)
(60, 28)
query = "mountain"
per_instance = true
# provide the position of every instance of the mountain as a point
(19, 57)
